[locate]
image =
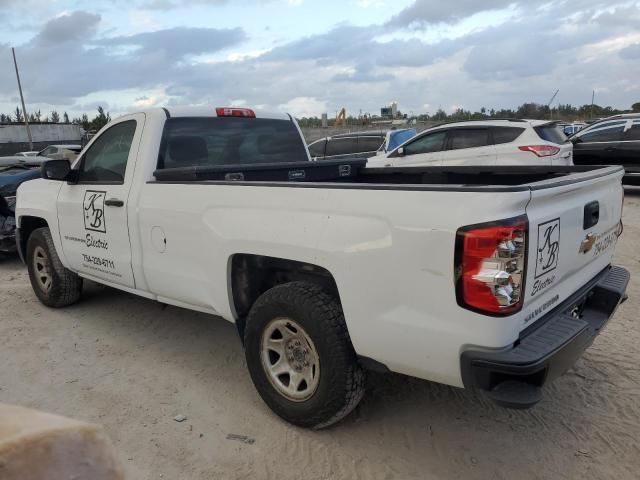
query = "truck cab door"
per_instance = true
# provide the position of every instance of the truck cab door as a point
(93, 212)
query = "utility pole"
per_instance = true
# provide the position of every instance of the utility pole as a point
(549, 104)
(593, 96)
(24, 110)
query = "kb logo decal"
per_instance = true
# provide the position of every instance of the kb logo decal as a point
(548, 247)
(94, 211)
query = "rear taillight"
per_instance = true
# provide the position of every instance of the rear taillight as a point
(235, 112)
(490, 266)
(540, 150)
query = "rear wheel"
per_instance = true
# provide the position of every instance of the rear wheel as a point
(54, 285)
(300, 356)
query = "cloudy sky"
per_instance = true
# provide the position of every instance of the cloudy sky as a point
(314, 56)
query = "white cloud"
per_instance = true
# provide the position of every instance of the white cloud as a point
(593, 51)
(370, 3)
(522, 54)
(152, 99)
(242, 56)
(304, 106)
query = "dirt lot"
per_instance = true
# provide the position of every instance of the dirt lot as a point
(132, 366)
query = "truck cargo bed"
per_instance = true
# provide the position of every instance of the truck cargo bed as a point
(353, 174)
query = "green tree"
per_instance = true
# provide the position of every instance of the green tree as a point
(55, 117)
(65, 117)
(635, 107)
(100, 120)
(439, 116)
(18, 113)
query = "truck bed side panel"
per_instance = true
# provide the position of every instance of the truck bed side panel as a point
(390, 252)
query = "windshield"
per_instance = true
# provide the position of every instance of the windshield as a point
(210, 141)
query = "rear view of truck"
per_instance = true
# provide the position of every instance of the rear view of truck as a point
(551, 269)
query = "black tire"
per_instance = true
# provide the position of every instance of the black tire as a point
(65, 286)
(341, 379)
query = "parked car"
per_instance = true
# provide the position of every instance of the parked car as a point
(57, 152)
(347, 145)
(499, 281)
(28, 161)
(11, 177)
(27, 154)
(484, 142)
(395, 138)
(613, 141)
(573, 128)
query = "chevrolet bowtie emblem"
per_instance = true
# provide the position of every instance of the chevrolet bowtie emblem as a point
(587, 243)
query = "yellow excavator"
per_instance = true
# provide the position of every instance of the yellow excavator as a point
(341, 118)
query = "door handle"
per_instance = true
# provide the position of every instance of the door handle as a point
(591, 214)
(114, 202)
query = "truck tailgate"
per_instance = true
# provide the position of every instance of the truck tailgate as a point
(573, 228)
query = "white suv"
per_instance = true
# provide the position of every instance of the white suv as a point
(483, 142)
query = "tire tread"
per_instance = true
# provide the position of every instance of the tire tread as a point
(67, 286)
(347, 385)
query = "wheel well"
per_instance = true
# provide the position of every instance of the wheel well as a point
(252, 275)
(27, 226)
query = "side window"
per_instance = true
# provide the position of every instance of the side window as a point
(106, 159)
(505, 134)
(427, 144)
(633, 133)
(342, 146)
(467, 138)
(606, 134)
(316, 149)
(369, 144)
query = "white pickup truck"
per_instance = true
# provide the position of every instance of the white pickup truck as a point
(496, 280)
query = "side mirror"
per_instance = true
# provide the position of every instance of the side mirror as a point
(55, 170)
(401, 152)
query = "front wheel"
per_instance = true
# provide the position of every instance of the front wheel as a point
(54, 285)
(300, 356)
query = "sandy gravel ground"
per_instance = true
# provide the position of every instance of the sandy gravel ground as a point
(132, 366)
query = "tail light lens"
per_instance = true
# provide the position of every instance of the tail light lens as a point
(540, 150)
(235, 112)
(490, 266)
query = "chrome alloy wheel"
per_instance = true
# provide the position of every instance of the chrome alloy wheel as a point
(42, 269)
(290, 359)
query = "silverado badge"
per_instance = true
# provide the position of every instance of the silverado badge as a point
(587, 243)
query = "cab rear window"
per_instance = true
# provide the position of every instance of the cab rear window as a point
(211, 141)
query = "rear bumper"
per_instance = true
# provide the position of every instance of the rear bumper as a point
(513, 377)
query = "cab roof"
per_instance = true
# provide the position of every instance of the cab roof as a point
(211, 112)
